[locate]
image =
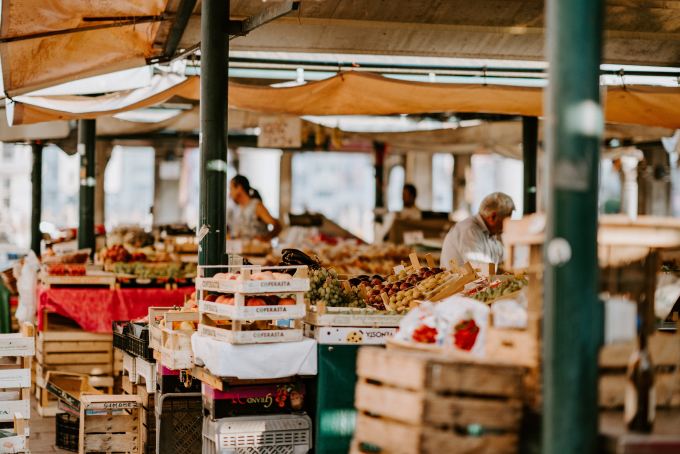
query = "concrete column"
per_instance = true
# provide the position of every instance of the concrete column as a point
(461, 171)
(418, 172)
(654, 182)
(102, 157)
(166, 200)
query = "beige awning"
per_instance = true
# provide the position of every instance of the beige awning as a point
(354, 93)
(45, 43)
(24, 110)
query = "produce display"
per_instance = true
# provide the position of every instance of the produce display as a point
(260, 300)
(66, 269)
(325, 286)
(143, 270)
(499, 289)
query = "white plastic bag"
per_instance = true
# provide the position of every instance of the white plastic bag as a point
(26, 286)
(462, 324)
(419, 325)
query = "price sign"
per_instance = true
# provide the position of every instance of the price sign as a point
(413, 237)
(234, 247)
(279, 132)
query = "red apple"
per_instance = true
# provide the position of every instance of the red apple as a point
(287, 302)
(212, 297)
(255, 302)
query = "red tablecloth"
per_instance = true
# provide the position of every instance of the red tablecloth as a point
(95, 309)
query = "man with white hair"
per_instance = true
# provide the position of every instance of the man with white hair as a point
(476, 238)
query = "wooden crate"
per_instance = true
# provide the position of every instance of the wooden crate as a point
(664, 350)
(117, 430)
(19, 442)
(16, 378)
(148, 420)
(413, 402)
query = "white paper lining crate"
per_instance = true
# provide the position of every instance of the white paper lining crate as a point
(413, 403)
(119, 430)
(271, 434)
(237, 330)
(166, 342)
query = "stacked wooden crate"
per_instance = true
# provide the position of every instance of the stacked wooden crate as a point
(15, 406)
(413, 403)
(148, 420)
(65, 348)
(664, 350)
(110, 424)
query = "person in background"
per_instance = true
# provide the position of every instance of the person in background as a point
(410, 210)
(476, 239)
(253, 220)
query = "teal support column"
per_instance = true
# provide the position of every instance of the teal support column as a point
(36, 195)
(573, 315)
(87, 142)
(213, 139)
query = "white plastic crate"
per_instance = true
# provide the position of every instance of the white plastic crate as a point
(271, 434)
(147, 370)
(130, 366)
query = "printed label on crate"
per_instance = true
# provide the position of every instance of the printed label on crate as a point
(272, 286)
(349, 335)
(73, 411)
(8, 409)
(113, 405)
(16, 345)
(253, 312)
(63, 395)
(289, 285)
(15, 443)
(15, 378)
(353, 320)
(250, 337)
(246, 400)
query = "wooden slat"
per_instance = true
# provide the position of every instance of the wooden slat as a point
(75, 358)
(420, 371)
(664, 350)
(426, 407)
(127, 442)
(612, 387)
(89, 369)
(111, 423)
(397, 438)
(74, 335)
(84, 346)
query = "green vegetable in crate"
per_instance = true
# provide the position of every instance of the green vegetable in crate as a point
(502, 289)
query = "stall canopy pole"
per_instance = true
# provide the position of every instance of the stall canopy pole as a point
(379, 148)
(530, 155)
(36, 194)
(573, 317)
(213, 138)
(87, 144)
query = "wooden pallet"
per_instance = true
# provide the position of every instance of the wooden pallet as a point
(118, 430)
(413, 403)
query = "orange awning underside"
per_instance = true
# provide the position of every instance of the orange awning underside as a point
(371, 94)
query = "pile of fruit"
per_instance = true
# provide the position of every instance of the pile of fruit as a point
(62, 269)
(405, 287)
(118, 253)
(325, 286)
(260, 300)
(171, 270)
(498, 289)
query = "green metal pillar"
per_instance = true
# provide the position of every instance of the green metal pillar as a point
(530, 156)
(213, 138)
(573, 316)
(87, 143)
(36, 195)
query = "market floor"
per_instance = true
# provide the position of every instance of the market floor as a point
(43, 432)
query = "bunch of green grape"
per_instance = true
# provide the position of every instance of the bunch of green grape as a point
(325, 286)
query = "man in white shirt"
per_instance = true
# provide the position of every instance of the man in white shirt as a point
(476, 238)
